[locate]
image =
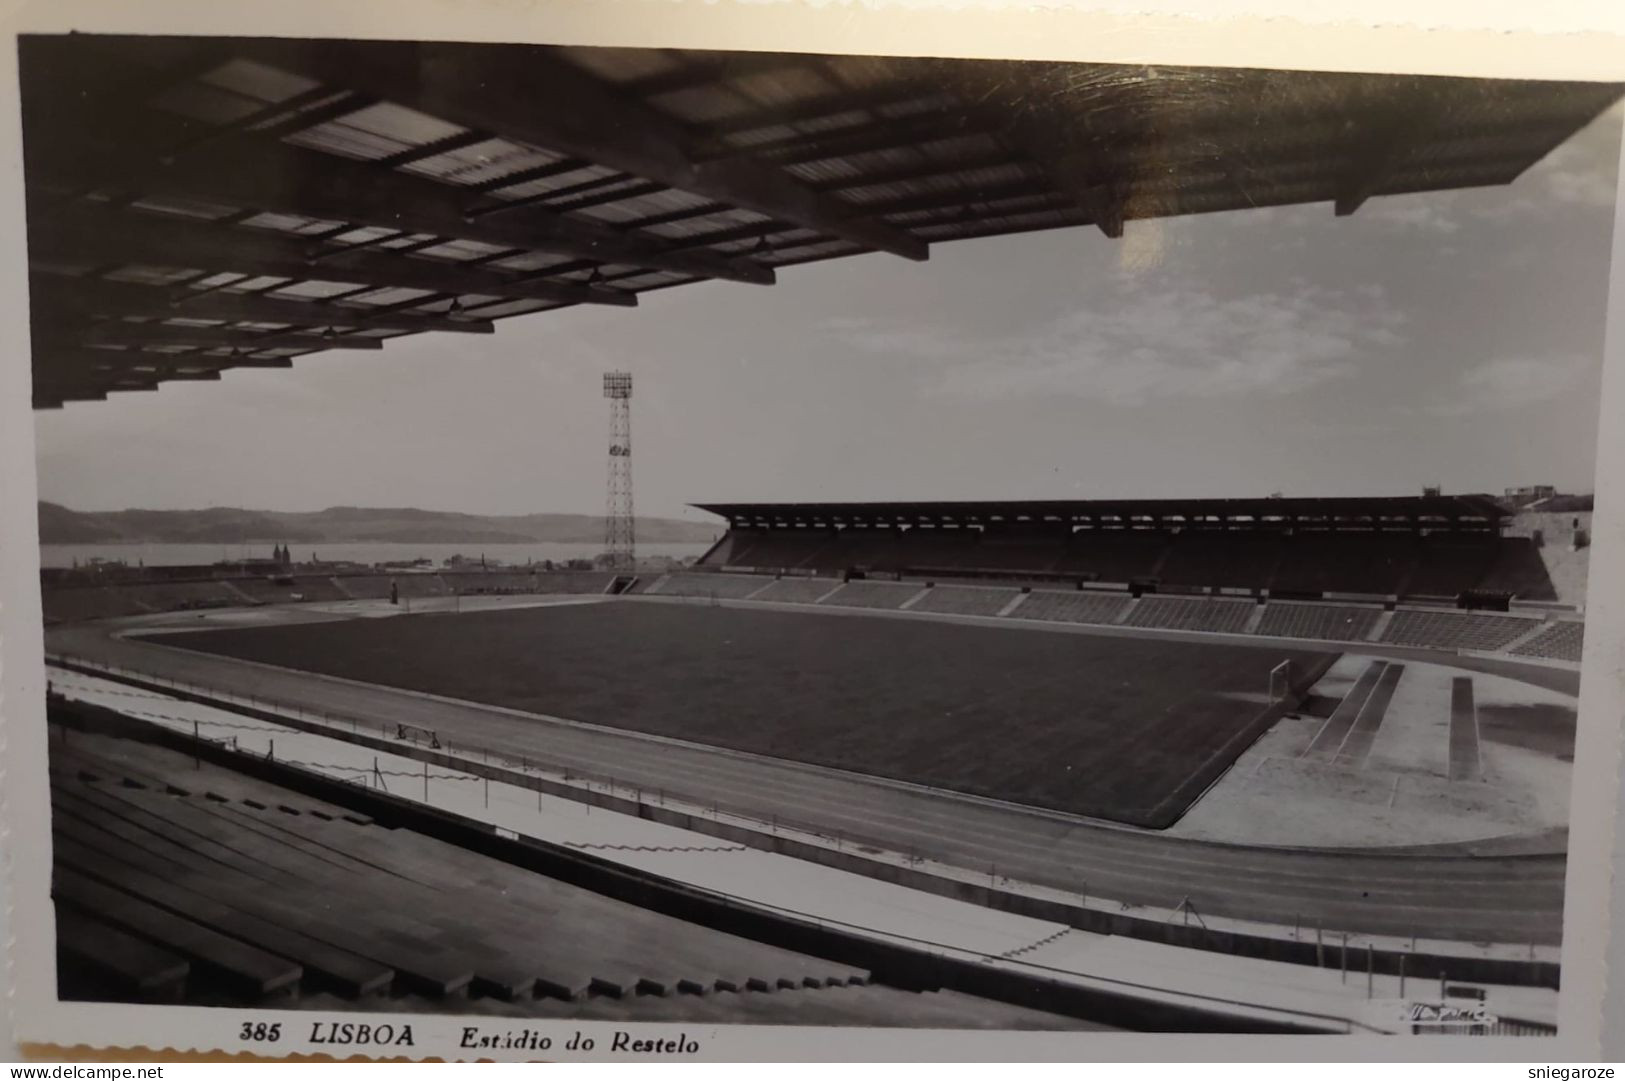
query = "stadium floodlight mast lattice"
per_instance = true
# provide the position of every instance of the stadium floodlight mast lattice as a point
(620, 541)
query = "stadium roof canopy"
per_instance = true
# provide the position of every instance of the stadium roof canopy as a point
(1456, 512)
(199, 204)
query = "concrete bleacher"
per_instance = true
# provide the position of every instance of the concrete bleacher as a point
(1560, 641)
(185, 881)
(731, 586)
(1455, 630)
(796, 590)
(489, 581)
(72, 604)
(1191, 614)
(772, 550)
(1331, 622)
(364, 586)
(1072, 607)
(966, 600)
(866, 594)
(288, 591)
(178, 596)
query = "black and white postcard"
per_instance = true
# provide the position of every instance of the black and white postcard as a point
(533, 541)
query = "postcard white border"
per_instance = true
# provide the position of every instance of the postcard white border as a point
(1442, 38)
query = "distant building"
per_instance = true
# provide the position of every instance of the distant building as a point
(1529, 493)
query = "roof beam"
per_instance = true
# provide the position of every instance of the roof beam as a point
(59, 299)
(1388, 136)
(118, 332)
(114, 236)
(512, 90)
(248, 170)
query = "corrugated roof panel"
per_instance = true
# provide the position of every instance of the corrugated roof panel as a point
(391, 295)
(615, 213)
(460, 250)
(365, 234)
(185, 208)
(316, 289)
(406, 241)
(255, 283)
(708, 223)
(532, 260)
(556, 182)
(481, 163)
(344, 141)
(387, 120)
(662, 202)
(215, 280)
(291, 223)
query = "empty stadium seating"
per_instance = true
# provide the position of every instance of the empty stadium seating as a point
(733, 586)
(364, 586)
(1191, 614)
(1561, 641)
(74, 603)
(775, 550)
(1455, 630)
(192, 882)
(1338, 623)
(796, 590)
(966, 600)
(489, 581)
(1072, 607)
(864, 594)
(1371, 562)
(287, 591)
(176, 596)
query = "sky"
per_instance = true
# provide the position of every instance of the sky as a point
(1449, 339)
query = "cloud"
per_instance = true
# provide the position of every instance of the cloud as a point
(1507, 383)
(1138, 345)
(1426, 213)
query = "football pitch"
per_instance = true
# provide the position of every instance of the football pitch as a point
(1122, 728)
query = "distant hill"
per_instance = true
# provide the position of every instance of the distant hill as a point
(338, 525)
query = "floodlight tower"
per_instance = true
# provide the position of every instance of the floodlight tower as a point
(620, 542)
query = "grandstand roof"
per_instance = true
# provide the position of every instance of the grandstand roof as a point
(1455, 511)
(200, 204)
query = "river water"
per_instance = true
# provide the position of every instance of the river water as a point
(170, 555)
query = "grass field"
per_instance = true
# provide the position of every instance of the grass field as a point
(1130, 729)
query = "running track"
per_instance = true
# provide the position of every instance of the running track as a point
(1513, 899)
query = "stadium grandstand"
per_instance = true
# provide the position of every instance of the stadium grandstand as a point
(1438, 547)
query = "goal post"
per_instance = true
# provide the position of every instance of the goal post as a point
(1281, 682)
